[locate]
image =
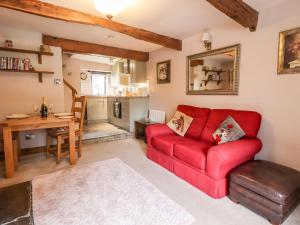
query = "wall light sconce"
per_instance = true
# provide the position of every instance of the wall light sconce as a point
(206, 38)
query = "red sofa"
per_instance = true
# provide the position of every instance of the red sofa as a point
(195, 157)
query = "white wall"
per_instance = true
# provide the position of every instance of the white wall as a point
(261, 89)
(71, 73)
(19, 92)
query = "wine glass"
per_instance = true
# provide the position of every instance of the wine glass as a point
(36, 109)
(50, 108)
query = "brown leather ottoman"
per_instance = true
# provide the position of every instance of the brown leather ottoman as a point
(269, 189)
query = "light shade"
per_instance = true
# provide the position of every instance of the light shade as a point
(206, 37)
(111, 8)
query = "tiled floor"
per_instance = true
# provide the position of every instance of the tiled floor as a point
(101, 132)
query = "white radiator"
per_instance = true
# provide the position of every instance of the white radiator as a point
(157, 116)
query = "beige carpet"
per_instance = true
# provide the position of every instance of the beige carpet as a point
(206, 210)
(102, 193)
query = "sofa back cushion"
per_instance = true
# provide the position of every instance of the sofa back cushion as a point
(200, 116)
(249, 121)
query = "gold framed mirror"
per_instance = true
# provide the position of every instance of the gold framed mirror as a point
(214, 72)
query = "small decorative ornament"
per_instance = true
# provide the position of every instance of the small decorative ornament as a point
(8, 43)
(9, 63)
(31, 67)
(26, 64)
(21, 65)
(45, 48)
(2, 63)
(16, 63)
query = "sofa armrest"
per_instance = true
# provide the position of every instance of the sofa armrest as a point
(221, 159)
(157, 130)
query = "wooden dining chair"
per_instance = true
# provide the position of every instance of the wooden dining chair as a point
(61, 135)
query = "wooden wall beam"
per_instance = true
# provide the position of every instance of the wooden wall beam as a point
(239, 11)
(90, 48)
(48, 10)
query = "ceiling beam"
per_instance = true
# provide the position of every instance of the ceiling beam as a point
(90, 48)
(239, 11)
(60, 13)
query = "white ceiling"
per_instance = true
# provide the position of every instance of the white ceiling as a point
(94, 58)
(174, 18)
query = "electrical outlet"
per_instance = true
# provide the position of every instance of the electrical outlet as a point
(30, 136)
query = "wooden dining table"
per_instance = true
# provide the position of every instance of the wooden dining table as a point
(34, 123)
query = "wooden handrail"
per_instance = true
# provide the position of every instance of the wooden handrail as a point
(74, 91)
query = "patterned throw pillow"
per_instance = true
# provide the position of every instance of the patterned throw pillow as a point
(180, 123)
(229, 130)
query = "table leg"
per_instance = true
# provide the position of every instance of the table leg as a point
(72, 143)
(8, 151)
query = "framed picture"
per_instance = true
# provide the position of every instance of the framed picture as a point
(164, 72)
(289, 52)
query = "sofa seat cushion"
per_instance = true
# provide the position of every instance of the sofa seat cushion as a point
(192, 153)
(166, 143)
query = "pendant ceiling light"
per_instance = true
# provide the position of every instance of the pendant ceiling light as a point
(111, 8)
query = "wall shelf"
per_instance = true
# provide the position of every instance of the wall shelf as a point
(206, 81)
(38, 53)
(39, 73)
(213, 71)
(196, 62)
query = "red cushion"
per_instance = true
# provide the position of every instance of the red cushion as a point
(165, 143)
(200, 116)
(192, 153)
(249, 121)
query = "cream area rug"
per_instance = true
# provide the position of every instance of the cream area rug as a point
(103, 193)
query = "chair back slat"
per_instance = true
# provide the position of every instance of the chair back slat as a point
(78, 110)
(77, 120)
(79, 99)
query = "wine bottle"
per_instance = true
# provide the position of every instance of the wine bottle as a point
(44, 109)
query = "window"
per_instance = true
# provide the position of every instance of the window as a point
(99, 83)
